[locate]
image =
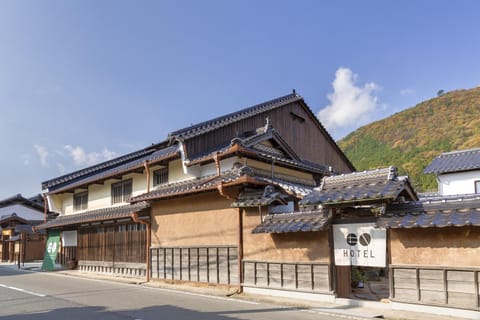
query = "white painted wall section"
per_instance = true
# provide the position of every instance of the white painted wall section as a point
(458, 183)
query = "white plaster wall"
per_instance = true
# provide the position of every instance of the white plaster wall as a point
(175, 171)
(458, 183)
(56, 202)
(211, 169)
(67, 204)
(22, 212)
(99, 195)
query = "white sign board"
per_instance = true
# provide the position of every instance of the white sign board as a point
(359, 244)
(69, 238)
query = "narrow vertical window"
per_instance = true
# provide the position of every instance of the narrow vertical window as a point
(80, 201)
(121, 191)
(477, 186)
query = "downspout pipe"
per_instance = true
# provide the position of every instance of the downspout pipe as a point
(149, 230)
(45, 207)
(147, 171)
(183, 155)
(240, 251)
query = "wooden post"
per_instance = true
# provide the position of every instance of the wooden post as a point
(24, 246)
(240, 251)
(391, 281)
(417, 275)
(475, 278)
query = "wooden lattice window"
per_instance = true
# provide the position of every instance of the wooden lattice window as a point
(121, 191)
(160, 176)
(80, 201)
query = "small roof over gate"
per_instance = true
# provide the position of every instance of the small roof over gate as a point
(260, 197)
(380, 185)
(293, 222)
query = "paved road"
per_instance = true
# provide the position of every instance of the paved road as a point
(38, 295)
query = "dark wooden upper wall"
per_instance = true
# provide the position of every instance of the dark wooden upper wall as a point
(295, 125)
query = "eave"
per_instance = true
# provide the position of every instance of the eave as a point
(83, 184)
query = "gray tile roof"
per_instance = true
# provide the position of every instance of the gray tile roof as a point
(211, 182)
(187, 187)
(116, 170)
(62, 180)
(110, 213)
(222, 121)
(439, 214)
(293, 222)
(359, 187)
(19, 199)
(455, 161)
(88, 175)
(263, 197)
(12, 217)
(216, 123)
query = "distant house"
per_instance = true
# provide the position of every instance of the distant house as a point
(457, 172)
(17, 217)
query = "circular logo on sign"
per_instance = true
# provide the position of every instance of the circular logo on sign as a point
(365, 239)
(352, 239)
(52, 247)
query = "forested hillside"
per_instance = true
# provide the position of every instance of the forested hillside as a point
(412, 138)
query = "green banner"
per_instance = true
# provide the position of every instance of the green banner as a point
(53, 244)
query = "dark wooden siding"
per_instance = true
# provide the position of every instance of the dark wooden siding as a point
(117, 243)
(293, 123)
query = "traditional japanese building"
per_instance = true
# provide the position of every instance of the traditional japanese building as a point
(181, 209)
(264, 200)
(17, 217)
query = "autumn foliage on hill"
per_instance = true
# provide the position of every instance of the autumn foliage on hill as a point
(411, 139)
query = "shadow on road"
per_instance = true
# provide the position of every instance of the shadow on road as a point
(157, 312)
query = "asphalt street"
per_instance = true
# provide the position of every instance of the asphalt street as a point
(41, 295)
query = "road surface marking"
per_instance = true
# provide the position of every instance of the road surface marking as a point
(203, 295)
(22, 290)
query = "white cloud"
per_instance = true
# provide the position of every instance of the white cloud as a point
(406, 91)
(42, 154)
(82, 158)
(350, 105)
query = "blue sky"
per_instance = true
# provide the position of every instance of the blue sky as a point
(84, 81)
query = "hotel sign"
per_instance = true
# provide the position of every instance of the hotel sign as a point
(359, 244)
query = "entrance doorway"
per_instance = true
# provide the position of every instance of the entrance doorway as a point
(365, 283)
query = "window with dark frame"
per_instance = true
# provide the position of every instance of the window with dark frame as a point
(477, 186)
(160, 176)
(121, 191)
(80, 201)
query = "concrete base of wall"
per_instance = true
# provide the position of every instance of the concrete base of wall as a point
(372, 305)
(453, 312)
(129, 270)
(316, 297)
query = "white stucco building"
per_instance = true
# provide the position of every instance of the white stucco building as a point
(457, 172)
